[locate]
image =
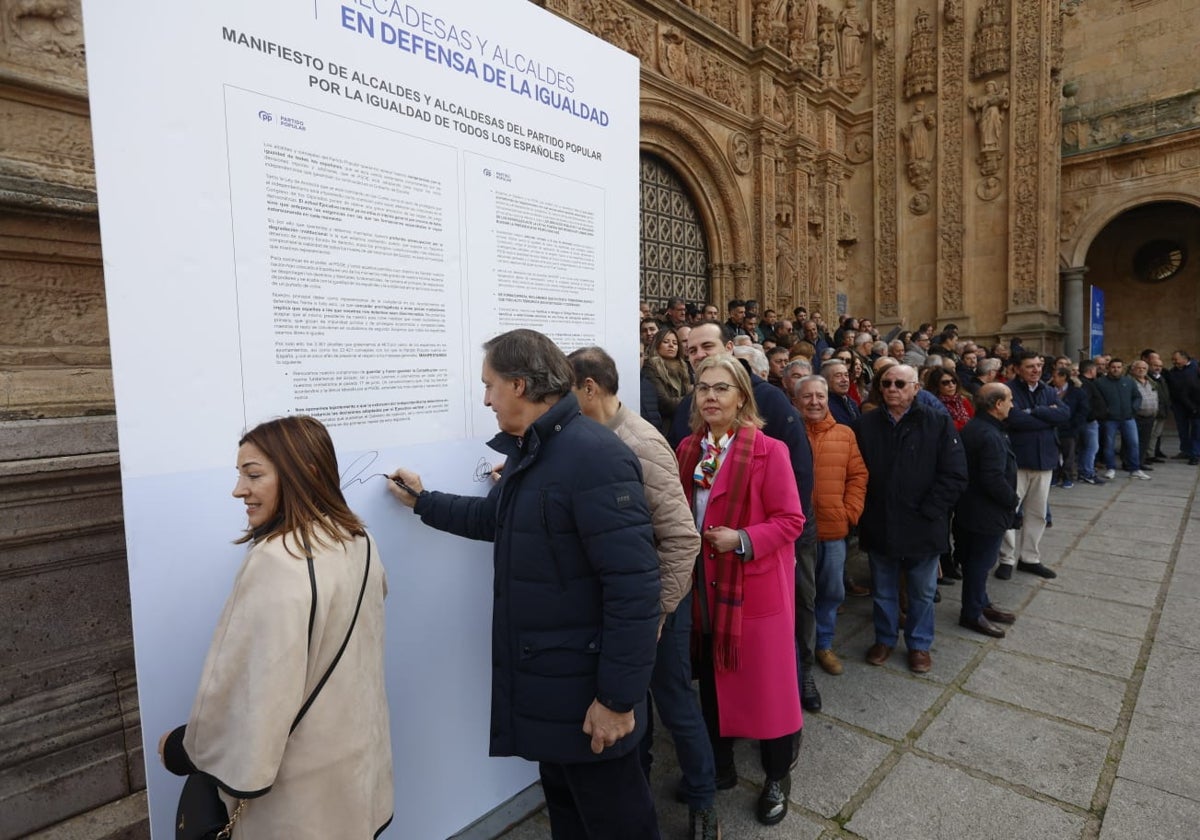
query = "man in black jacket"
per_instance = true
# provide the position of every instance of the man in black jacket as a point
(988, 506)
(917, 471)
(1183, 380)
(576, 606)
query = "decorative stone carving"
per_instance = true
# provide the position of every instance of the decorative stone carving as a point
(1072, 212)
(673, 55)
(918, 146)
(739, 152)
(859, 148)
(760, 23)
(826, 43)
(989, 188)
(886, 198)
(852, 31)
(1031, 170)
(989, 111)
(951, 156)
(780, 107)
(847, 232)
(920, 66)
(991, 48)
(919, 204)
(617, 24)
(785, 257)
(44, 34)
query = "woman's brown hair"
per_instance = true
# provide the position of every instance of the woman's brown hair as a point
(311, 503)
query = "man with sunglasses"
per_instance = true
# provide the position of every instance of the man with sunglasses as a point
(917, 470)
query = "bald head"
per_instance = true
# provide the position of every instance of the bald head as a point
(995, 399)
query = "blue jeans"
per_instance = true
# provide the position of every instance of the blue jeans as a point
(1189, 431)
(679, 709)
(831, 589)
(981, 553)
(1089, 445)
(1129, 444)
(921, 575)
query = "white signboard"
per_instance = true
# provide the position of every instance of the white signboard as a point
(326, 208)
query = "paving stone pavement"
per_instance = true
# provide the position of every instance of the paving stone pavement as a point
(1082, 724)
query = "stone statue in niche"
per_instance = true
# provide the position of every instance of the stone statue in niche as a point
(785, 257)
(802, 33)
(920, 67)
(989, 116)
(853, 31)
(918, 146)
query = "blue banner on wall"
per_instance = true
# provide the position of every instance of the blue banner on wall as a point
(1096, 321)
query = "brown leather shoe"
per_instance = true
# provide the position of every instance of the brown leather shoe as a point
(878, 653)
(982, 625)
(856, 590)
(828, 660)
(919, 661)
(1002, 616)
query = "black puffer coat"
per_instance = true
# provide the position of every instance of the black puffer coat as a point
(576, 591)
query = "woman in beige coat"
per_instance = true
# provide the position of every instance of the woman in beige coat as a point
(293, 607)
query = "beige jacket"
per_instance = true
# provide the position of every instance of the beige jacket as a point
(333, 776)
(675, 534)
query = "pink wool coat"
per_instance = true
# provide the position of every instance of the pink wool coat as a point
(761, 699)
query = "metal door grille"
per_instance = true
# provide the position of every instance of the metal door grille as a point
(674, 259)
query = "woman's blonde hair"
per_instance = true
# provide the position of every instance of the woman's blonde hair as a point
(748, 414)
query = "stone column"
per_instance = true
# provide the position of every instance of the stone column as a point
(1072, 308)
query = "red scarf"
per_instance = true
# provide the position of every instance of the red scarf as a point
(735, 477)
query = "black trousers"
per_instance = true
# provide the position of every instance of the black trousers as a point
(777, 754)
(601, 800)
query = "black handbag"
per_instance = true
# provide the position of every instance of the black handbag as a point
(201, 813)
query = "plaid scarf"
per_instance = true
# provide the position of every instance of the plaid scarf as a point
(728, 595)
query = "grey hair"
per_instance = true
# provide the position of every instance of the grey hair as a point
(531, 356)
(989, 364)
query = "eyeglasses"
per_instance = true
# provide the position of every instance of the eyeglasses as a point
(720, 389)
(947, 382)
(895, 383)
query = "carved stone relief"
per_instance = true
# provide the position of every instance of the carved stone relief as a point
(920, 66)
(859, 148)
(44, 34)
(989, 110)
(919, 204)
(990, 52)
(619, 25)
(989, 188)
(826, 44)
(951, 159)
(886, 292)
(1025, 233)
(918, 138)
(739, 153)
(673, 56)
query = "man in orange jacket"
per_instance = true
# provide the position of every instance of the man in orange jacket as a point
(839, 491)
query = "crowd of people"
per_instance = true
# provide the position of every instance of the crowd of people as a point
(701, 537)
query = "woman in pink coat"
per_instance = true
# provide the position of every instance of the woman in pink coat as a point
(743, 494)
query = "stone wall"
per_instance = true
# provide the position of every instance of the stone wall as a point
(70, 738)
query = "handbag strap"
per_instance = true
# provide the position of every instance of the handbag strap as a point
(329, 671)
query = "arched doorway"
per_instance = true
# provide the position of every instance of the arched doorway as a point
(674, 251)
(1147, 261)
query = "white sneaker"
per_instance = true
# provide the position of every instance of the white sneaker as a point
(1139, 474)
(1112, 474)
